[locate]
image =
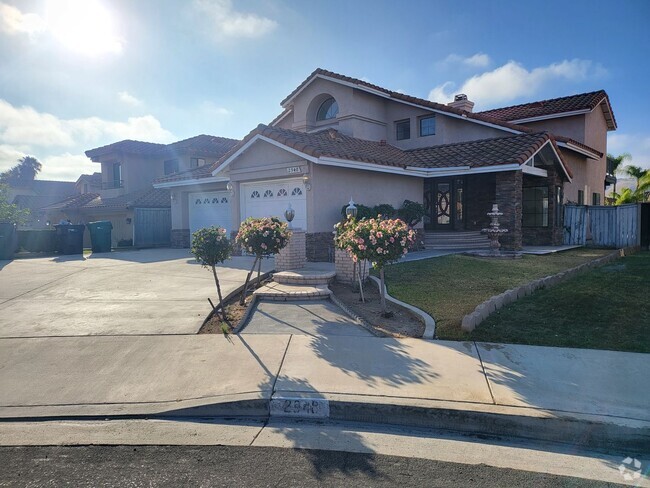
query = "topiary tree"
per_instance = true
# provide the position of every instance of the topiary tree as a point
(380, 241)
(262, 237)
(411, 212)
(211, 247)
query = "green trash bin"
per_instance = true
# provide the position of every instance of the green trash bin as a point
(8, 240)
(100, 235)
(70, 238)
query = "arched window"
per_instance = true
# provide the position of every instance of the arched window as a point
(268, 193)
(296, 191)
(255, 194)
(329, 109)
(282, 192)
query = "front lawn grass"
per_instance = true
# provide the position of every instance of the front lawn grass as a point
(450, 287)
(605, 308)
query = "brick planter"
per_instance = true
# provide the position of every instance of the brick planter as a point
(293, 256)
(345, 269)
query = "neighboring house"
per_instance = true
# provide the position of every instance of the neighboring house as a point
(340, 137)
(123, 193)
(37, 194)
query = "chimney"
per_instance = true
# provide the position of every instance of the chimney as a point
(462, 103)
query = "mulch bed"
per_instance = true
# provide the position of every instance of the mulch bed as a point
(234, 313)
(402, 324)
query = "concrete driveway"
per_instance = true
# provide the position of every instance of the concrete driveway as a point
(154, 291)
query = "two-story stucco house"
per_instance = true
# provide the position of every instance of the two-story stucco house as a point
(340, 138)
(139, 213)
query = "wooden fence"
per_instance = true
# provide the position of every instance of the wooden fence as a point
(602, 226)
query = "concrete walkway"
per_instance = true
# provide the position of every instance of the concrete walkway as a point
(582, 396)
(302, 317)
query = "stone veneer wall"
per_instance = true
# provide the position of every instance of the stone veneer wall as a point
(345, 269)
(293, 255)
(319, 246)
(508, 194)
(552, 235)
(180, 238)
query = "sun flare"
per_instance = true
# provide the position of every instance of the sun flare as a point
(85, 26)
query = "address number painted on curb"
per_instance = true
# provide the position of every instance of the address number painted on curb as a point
(300, 407)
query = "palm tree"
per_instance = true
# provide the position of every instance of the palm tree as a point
(615, 162)
(636, 172)
(23, 173)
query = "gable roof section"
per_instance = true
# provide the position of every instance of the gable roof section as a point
(202, 144)
(146, 198)
(331, 147)
(74, 201)
(562, 106)
(401, 97)
(93, 179)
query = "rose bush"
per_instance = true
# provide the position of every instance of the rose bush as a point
(380, 241)
(262, 237)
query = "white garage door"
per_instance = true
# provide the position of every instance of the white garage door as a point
(208, 209)
(271, 199)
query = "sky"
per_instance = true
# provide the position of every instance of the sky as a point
(79, 74)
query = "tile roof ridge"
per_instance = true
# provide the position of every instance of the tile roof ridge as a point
(601, 92)
(539, 134)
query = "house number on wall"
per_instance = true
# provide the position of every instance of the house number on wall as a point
(293, 169)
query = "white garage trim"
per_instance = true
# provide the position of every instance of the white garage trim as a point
(270, 198)
(209, 208)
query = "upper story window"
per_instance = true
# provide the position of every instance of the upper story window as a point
(171, 166)
(403, 129)
(196, 162)
(329, 109)
(428, 126)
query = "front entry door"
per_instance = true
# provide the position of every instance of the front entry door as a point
(444, 203)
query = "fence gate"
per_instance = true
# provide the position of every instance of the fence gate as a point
(602, 226)
(575, 225)
(152, 227)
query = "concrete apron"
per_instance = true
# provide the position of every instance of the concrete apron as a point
(300, 381)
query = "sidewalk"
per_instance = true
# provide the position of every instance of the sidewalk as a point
(596, 398)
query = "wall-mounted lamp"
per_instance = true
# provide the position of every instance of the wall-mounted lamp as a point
(230, 188)
(172, 195)
(128, 220)
(307, 181)
(289, 214)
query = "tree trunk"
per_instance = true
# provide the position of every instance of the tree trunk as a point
(363, 298)
(223, 310)
(382, 292)
(248, 277)
(259, 269)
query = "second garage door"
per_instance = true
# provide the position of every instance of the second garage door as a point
(271, 199)
(208, 209)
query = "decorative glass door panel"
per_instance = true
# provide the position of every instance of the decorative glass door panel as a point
(443, 204)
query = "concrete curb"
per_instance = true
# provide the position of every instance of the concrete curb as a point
(583, 430)
(429, 322)
(485, 309)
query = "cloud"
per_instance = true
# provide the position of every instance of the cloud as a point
(212, 109)
(638, 145)
(25, 126)
(13, 21)
(67, 167)
(129, 99)
(478, 60)
(24, 130)
(512, 81)
(228, 23)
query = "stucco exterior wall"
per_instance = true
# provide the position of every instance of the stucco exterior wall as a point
(332, 188)
(573, 127)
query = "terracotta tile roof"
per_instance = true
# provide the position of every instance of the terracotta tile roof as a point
(204, 171)
(579, 144)
(145, 198)
(94, 179)
(553, 106)
(409, 99)
(331, 143)
(74, 201)
(202, 144)
(35, 202)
